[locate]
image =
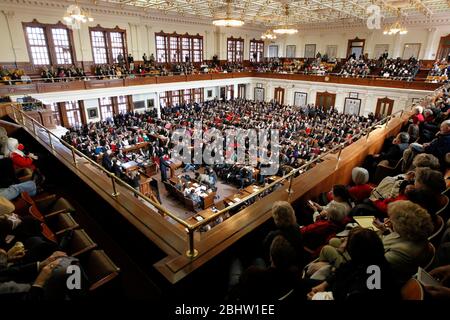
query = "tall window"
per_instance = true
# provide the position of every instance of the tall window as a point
(49, 44)
(187, 97)
(235, 49)
(107, 44)
(99, 47)
(176, 97)
(198, 94)
(173, 47)
(256, 50)
(164, 99)
(122, 104)
(73, 113)
(55, 112)
(106, 107)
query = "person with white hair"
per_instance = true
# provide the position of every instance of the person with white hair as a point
(417, 117)
(361, 190)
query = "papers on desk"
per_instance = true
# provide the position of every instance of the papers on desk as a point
(365, 221)
(129, 164)
(214, 209)
(236, 200)
(199, 218)
(203, 195)
(195, 185)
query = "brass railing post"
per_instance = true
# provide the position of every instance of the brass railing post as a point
(34, 128)
(50, 140)
(14, 114)
(22, 118)
(289, 190)
(74, 157)
(339, 157)
(113, 181)
(191, 253)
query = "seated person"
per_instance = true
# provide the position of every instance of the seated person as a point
(361, 190)
(286, 225)
(340, 195)
(405, 238)
(259, 283)
(395, 151)
(363, 249)
(440, 145)
(320, 232)
(442, 292)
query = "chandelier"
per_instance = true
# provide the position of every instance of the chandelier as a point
(228, 21)
(75, 16)
(395, 28)
(268, 35)
(285, 28)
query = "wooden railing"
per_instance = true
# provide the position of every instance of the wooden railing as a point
(92, 82)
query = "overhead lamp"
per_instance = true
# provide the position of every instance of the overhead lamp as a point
(75, 16)
(228, 21)
(285, 28)
(268, 35)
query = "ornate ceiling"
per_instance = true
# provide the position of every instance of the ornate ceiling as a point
(301, 12)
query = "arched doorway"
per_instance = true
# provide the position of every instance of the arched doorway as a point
(356, 46)
(444, 48)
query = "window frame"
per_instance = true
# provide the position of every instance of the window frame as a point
(49, 42)
(179, 48)
(109, 106)
(234, 50)
(110, 59)
(258, 50)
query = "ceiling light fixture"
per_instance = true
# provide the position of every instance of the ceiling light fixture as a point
(228, 21)
(75, 16)
(268, 35)
(286, 28)
(396, 27)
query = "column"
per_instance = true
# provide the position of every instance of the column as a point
(431, 48)
(397, 47)
(150, 40)
(158, 107)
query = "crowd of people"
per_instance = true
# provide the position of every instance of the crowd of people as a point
(304, 132)
(61, 73)
(398, 69)
(322, 251)
(13, 77)
(33, 262)
(358, 68)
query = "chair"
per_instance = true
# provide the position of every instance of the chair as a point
(384, 170)
(80, 243)
(432, 251)
(48, 205)
(412, 290)
(439, 228)
(62, 222)
(286, 296)
(444, 211)
(99, 269)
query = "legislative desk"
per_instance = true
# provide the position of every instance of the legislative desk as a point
(207, 197)
(173, 166)
(134, 147)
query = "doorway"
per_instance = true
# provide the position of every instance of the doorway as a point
(356, 46)
(325, 100)
(241, 91)
(384, 107)
(279, 95)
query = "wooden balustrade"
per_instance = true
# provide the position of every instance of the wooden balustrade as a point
(43, 87)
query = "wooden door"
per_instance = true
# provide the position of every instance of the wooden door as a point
(241, 91)
(356, 46)
(444, 48)
(384, 107)
(325, 99)
(223, 93)
(279, 95)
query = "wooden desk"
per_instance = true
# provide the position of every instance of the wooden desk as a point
(252, 188)
(134, 147)
(206, 213)
(208, 201)
(129, 166)
(174, 166)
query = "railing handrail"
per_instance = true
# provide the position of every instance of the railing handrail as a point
(34, 80)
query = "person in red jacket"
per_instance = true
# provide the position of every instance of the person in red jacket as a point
(317, 234)
(19, 159)
(418, 118)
